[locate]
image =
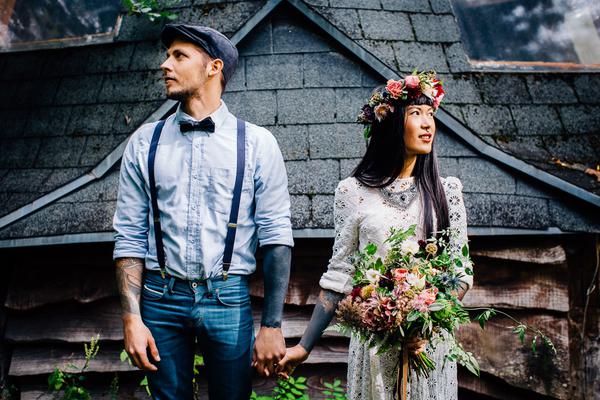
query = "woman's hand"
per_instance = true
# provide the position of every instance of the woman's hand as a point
(416, 345)
(294, 356)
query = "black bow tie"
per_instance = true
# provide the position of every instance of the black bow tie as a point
(206, 125)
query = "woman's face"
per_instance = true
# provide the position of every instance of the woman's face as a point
(419, 129)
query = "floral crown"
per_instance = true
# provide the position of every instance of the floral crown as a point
(397, 93)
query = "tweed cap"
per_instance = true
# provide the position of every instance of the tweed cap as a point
(210, 40)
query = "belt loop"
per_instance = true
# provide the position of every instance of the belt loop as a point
(171, 283)
(209, 288)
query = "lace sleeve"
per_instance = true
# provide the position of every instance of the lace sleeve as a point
(458, 223)
(346, 217)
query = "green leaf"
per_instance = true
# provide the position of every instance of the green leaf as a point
(367, 131)
(484, 317)
(465, 251)
(437, 306)
(413, 316)
(533, 344)
(56, 380)
(520, 330)
(371, 249)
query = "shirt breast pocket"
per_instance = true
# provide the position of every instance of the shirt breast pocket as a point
(221, 183)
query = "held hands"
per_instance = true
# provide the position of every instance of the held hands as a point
(294, 356)
(269, 348)
(138, 340)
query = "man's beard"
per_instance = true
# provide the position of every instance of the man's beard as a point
(179, 95)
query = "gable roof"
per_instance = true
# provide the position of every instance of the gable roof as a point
(455, 126)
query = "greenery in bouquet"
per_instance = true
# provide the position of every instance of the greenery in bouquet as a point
(411, 294)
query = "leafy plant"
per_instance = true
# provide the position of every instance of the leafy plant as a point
(70, 383)
(151, 9)
(295, 389)
(335, 390)
(291, 389)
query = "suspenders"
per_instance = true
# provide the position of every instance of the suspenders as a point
(235, 203)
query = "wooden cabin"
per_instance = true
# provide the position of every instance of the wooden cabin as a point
(67, 108)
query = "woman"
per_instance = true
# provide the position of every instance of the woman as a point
(396, 184)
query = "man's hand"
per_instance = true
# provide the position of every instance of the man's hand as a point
(269, 349)
(294, 356)
(138, 341)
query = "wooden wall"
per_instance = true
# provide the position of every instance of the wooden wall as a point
(57, 298)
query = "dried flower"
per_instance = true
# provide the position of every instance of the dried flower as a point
(366, 291)
(351, 311)
(382, 110)
(431, 248)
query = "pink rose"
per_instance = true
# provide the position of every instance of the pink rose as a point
(394, 88)
(412, 81)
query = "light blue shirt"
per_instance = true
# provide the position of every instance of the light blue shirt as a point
(195, 177)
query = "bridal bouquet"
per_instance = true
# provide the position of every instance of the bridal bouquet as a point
(412, 294)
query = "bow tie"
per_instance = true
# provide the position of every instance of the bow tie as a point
(206, 125)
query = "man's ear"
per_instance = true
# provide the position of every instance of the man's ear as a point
(215, 67)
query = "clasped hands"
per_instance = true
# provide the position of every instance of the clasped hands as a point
(269, 349)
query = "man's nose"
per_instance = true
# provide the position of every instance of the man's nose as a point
(166, 65)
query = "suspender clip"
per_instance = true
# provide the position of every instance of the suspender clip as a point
(231, 225)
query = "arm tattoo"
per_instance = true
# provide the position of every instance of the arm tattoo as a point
(276, 268)
(129, 281)
(321, 317)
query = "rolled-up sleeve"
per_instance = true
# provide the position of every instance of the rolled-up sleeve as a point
(340, 271)
(458, 223)
(272, 199)
(131, 216)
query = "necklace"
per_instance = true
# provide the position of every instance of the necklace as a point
(401, 198)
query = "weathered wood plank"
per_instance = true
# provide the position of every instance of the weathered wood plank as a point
(500, 353)
(489, 387)
(43, 359)
(34, 287)
(80, 322)
(536, 291)
(538, 254)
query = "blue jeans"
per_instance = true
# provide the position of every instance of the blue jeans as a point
(218, 315)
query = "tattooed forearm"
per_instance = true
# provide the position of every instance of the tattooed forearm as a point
(129, 281)
(321, 317)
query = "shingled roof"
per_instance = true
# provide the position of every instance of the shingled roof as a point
(305, 69)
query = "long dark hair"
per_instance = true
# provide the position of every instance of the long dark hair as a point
(384, 159)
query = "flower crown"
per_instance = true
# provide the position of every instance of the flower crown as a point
(397, 93)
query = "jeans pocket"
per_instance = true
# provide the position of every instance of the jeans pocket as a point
(152, 292)
(233, 296)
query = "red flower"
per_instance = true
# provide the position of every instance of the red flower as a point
(400, 274)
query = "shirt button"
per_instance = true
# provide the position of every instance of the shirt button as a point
(194, 285)
(191, 240)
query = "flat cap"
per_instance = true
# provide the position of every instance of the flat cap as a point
(210, 40)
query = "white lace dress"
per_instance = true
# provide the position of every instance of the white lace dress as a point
(364, 215)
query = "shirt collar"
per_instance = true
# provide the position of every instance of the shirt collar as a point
(219, 116)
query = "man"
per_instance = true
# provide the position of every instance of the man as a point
(196, 193)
